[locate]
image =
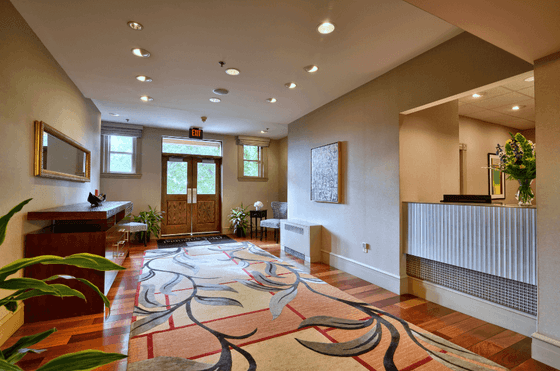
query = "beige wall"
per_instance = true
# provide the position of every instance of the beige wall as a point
(547, 96)
(481, 138)
(366, 121)
(147, 190)
(34, 87)
(283, 170)
(429, 153)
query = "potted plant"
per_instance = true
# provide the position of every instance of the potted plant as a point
(153, 219)
(238, 220)
(25, 288)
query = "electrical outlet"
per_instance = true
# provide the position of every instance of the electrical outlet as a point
(365, 247)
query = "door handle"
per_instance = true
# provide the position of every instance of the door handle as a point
(193, 195)
(189, 195)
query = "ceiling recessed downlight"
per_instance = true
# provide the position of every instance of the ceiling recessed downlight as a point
(311, 68)
(220, 91)
(135, 26)
(271, 100)
(529, 79)
(215, 100)
(233, 71)
(290, 85)
(325, 28)
(114, 114)
(146, 98)
(516, 108)
(141, 52)
(143, 78)
(477, 95)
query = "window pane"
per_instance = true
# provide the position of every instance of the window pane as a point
(120, 163)
(206, 179)
(190, 150)
(250, 152)
(250, 168)
(45, 139)
(121, 144)
(177, 178)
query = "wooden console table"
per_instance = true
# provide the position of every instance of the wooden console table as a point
(76, 229)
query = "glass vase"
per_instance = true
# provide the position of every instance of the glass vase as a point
(524, 193)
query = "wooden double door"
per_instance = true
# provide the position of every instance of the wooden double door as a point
(191, 195)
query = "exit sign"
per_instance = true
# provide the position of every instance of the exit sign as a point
(195, 133)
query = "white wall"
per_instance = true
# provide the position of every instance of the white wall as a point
(366, 121)
(147, 190)
(34, 87)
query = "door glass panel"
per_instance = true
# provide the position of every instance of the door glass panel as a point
(206, 179)
(177, 178)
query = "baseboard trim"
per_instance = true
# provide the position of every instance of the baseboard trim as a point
(497, 314)
(10, 323)
(378, 277)
(546, 350)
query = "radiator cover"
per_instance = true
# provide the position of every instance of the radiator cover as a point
(301, 236)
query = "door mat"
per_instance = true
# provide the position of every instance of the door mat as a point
(194, 241)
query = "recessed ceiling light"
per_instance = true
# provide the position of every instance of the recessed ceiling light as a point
(220, 91)
(141, 52)
(271, 100)
(529, 79)
(516, 108)
(290, 85)
(114, 114)
(215, 100)
(135, 26)
(143, 78)
(233, 71)
(311, 68)
(477, 95)
(325, 28)
(264, 131)
(146, 98)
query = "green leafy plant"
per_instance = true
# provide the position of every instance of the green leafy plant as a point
(153, 219)
(238, 220)
(25, 288)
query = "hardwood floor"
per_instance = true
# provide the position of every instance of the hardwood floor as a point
(111, 334)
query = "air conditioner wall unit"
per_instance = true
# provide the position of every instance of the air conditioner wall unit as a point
(299, 237)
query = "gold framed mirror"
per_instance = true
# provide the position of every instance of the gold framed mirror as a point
(57, 156)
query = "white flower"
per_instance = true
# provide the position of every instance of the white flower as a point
(258, 204)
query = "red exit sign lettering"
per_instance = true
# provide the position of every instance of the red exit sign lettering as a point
(195, 133)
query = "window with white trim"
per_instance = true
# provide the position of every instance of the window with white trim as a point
(121, 151)
(252, 162)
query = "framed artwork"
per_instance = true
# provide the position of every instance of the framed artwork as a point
(496, 179)
(325, 173)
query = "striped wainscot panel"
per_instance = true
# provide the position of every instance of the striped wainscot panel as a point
(497, 240)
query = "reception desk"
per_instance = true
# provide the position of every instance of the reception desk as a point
(488, 251)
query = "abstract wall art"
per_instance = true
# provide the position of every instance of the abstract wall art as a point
(325, 173)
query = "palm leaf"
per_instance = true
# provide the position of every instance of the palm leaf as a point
(81, 361)
(6, 366)
(25, 342)
(6, 218)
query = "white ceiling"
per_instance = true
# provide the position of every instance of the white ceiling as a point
(529, 29)
(270, 42)
(495, 104)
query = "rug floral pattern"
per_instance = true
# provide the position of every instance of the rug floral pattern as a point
(237, 307)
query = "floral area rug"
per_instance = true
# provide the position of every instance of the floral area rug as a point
(237, 307)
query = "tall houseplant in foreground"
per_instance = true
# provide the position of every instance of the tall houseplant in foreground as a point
(238, 220)
(25, 288)
(153, 219)
(518, 161)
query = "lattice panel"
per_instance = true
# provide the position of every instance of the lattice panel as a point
(206, 212)
(176, 212)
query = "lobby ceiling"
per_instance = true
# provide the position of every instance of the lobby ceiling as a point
(495, 105)
(269, 42)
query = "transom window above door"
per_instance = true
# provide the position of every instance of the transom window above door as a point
(191, 147)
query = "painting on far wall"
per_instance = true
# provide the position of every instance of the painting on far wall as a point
(325, 173)
(496, 179)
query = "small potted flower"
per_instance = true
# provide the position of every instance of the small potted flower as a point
(518, 161)
(238, 220)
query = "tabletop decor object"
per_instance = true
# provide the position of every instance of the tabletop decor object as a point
(258, 205)
(518, 161)
(96, 201)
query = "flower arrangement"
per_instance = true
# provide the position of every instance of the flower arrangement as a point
(518, 161)
(258, 205)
